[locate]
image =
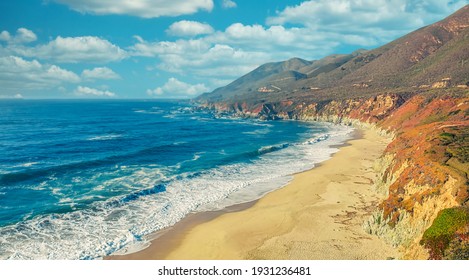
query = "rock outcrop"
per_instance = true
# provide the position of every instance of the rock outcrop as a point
(416, 88)
(424, 169)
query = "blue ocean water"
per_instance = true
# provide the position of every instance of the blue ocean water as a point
(84, 179)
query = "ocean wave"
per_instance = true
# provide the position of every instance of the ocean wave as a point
(29, 164)
(150, 112)
(261, 131)
(270, 149)
(250, 122)
(136, 195)
(170, 116)
(157, 201)
(197, 156)
(41, 174)
(13, 167)
(105, 137)
(318, 138)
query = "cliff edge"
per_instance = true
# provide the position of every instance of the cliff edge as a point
(416, 88)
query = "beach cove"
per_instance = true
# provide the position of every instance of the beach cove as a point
(318, 215)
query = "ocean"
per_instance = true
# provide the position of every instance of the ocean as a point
(85, 179)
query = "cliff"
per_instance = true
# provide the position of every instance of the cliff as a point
(415, 88)
(424, 169)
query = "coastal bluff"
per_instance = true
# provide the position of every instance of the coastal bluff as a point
(423, 170)
(415, 89)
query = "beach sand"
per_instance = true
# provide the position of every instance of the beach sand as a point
(318, 215)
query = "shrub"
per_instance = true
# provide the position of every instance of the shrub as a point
(444, 230)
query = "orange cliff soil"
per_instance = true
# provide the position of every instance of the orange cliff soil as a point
(425, 167)
(427, 162)
(422, 126)
(429, 170)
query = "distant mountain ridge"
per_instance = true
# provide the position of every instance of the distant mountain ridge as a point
(418, 59)
(264, 76)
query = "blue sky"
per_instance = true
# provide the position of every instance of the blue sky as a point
(180, 49)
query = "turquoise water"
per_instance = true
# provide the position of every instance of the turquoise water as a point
(84, 179)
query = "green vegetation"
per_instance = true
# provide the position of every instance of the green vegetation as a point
(447, 138)
(458, 249)
(456, 141)
(435, 118)
(451, 148)
(445, 228)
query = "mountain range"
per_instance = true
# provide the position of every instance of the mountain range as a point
(417, 60)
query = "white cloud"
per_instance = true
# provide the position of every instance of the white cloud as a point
(181, 47)
(201, 58)
(234, 52)
(62, 49)
(259, 37)
(101, 73)
(14, 96)
(139, 8)
(78, 49)
(373, 21)
(175, 88)
(189, 28)
(228, 4)
(19, 74)
(5, 36)
(86, 91)
(138, 38)
(22, 36)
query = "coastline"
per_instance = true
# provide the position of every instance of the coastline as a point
(318, 215)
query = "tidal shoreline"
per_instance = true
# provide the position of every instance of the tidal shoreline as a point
(318, 215)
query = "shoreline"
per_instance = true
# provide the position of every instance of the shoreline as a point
(324, 222)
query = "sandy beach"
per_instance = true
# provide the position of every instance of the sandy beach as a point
(318, 215)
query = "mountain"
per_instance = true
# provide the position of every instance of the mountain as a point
(420, 59)
(412, 54)
(415, 88)
(276, 77)
(277, 73)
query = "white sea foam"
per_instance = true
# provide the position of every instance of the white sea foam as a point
(197, 156)
(152, 111)
(261, 131)
(114, 224)
(26, 164)
(172, 116)
(29, 164)
(66, 200)
(105, 137)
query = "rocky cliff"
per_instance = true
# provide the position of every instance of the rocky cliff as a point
(415, 88)
(424, 170)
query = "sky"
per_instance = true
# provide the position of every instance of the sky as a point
(133, 49)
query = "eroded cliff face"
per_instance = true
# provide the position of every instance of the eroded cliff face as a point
(423, 170)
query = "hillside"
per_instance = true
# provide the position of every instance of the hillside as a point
(275, 78)
(415, 88)
(417, 60)
(263, 76)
